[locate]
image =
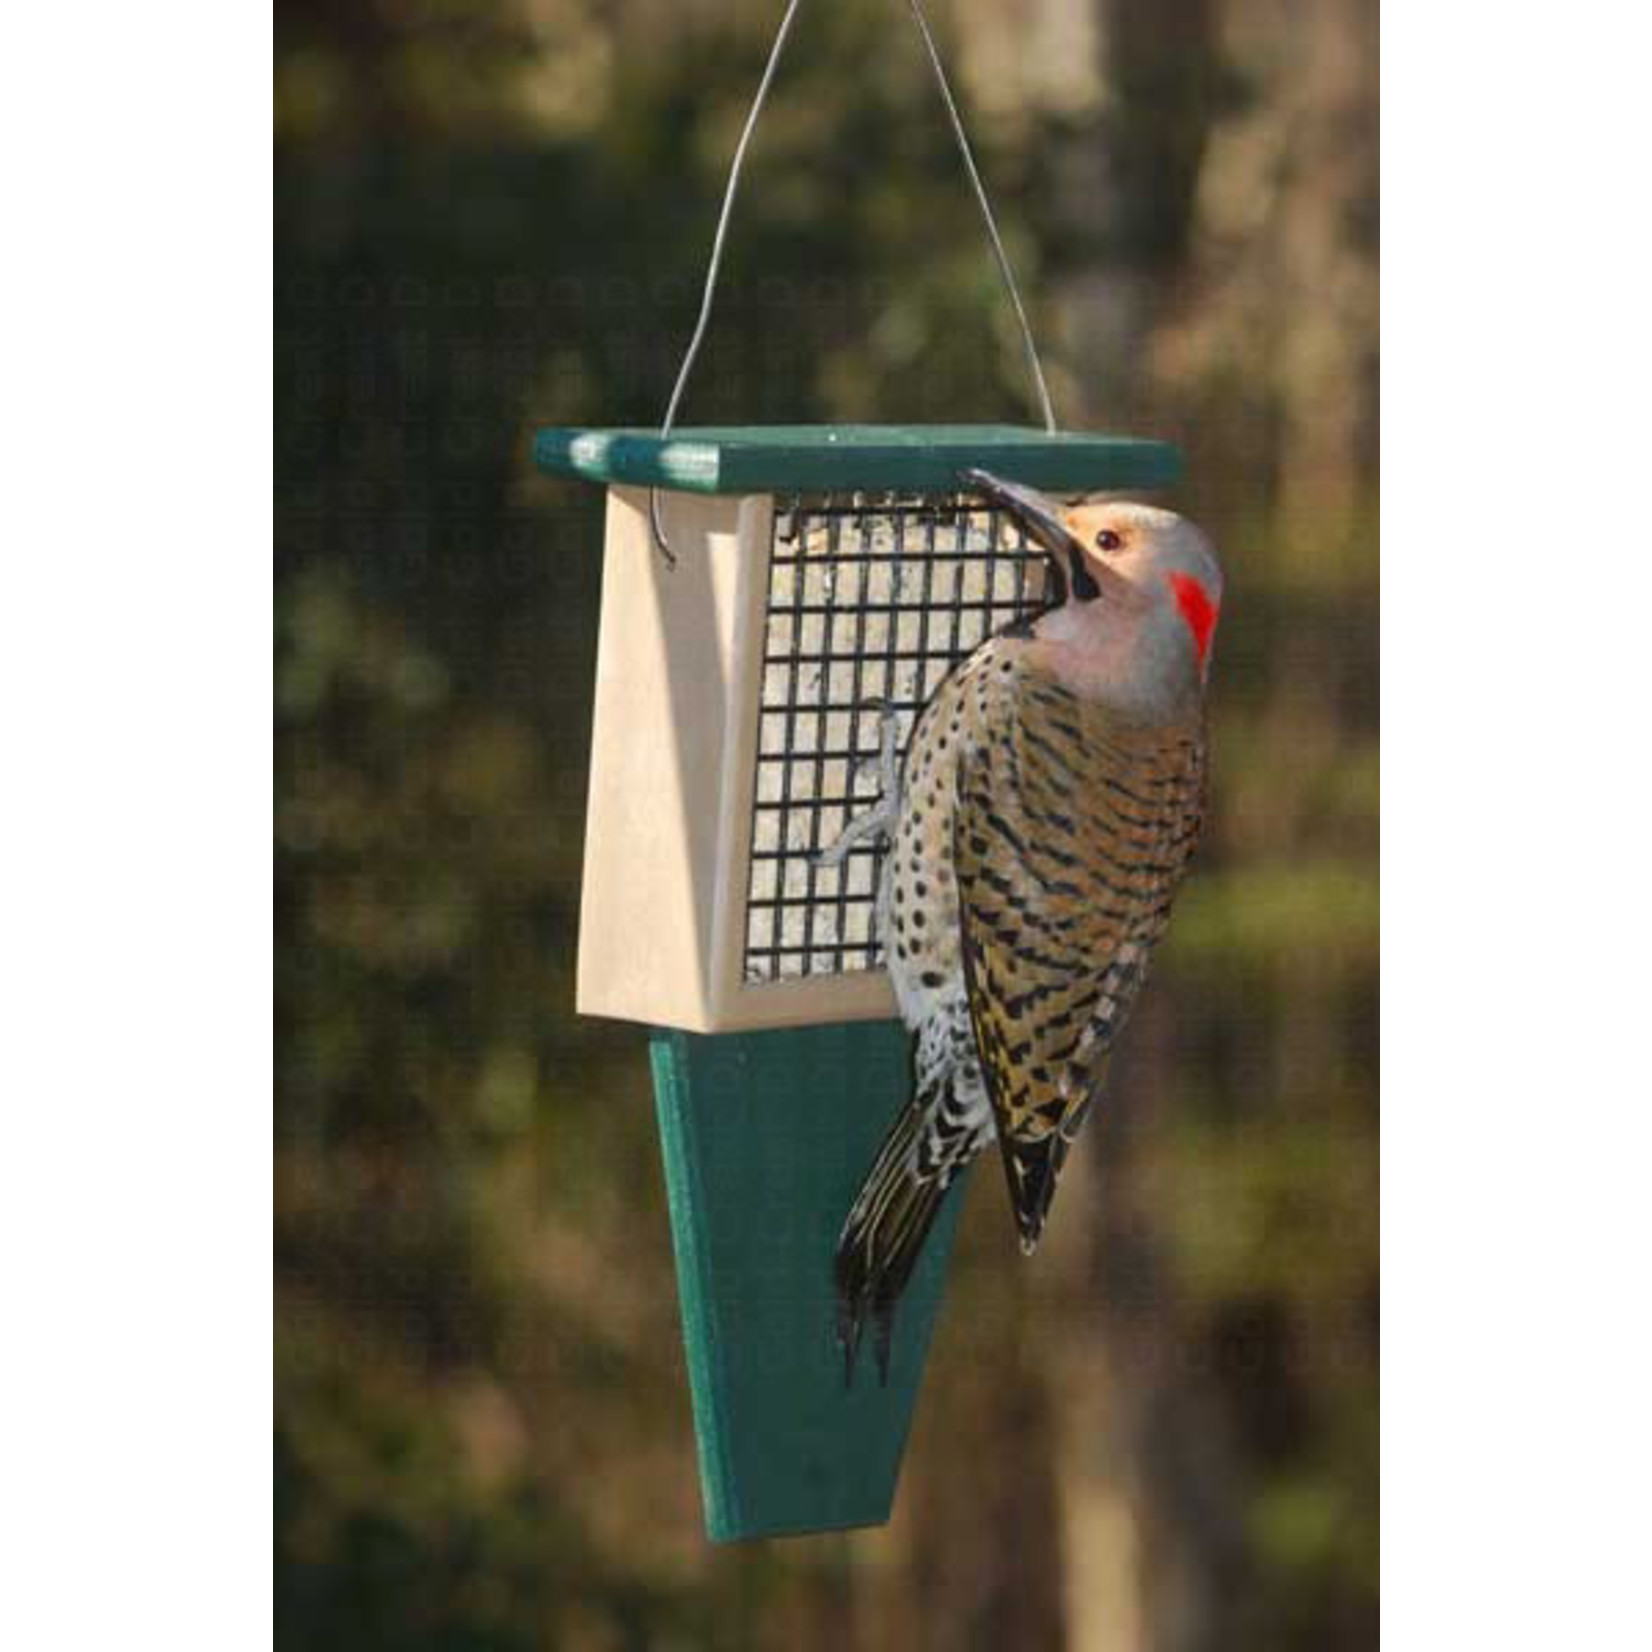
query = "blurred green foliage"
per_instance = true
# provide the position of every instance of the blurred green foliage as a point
(1161, 1433)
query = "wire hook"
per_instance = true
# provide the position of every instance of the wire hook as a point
(655, 519)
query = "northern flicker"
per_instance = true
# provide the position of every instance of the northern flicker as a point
(1044, 813)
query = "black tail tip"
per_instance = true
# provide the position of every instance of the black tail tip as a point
(1032, 1169)
(1030, 1218)
(883, 1336)
(852, 1315)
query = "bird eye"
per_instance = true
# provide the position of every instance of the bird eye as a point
(1108, 540)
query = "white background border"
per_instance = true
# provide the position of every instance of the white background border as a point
(1517, 571)
(135, 1070)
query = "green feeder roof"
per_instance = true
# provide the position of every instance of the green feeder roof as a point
(787, 458)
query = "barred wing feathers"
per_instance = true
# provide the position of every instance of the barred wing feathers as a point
(1072, 831)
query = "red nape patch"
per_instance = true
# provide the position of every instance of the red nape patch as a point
(1197, 609)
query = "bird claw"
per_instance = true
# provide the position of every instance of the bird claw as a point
(881, 817)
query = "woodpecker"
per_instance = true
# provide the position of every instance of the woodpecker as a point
(1043, 815)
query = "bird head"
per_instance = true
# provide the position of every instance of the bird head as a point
(1121, 575)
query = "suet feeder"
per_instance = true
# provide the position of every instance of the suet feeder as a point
(778, 603)
(825, 580)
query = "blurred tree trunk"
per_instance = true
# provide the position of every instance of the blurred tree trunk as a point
(1272, 328)
(1125, 199)
(984, 1562)
(988, 1571)
(1164, 73)
(1151, 1496)
(1150, 1501)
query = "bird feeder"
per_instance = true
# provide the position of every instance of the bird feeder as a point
(825, 580)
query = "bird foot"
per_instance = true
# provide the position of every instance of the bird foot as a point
(880, 819)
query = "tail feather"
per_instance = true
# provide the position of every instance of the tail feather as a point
(1033, 1165)
(884, 1234)
(1033, 1168)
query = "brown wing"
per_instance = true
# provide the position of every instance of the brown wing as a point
(1071, 836)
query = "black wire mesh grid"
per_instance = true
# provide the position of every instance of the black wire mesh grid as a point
(872, 600)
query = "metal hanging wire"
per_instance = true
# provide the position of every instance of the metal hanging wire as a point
(1036, 368)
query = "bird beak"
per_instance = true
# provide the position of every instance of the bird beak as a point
(1041, 517)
